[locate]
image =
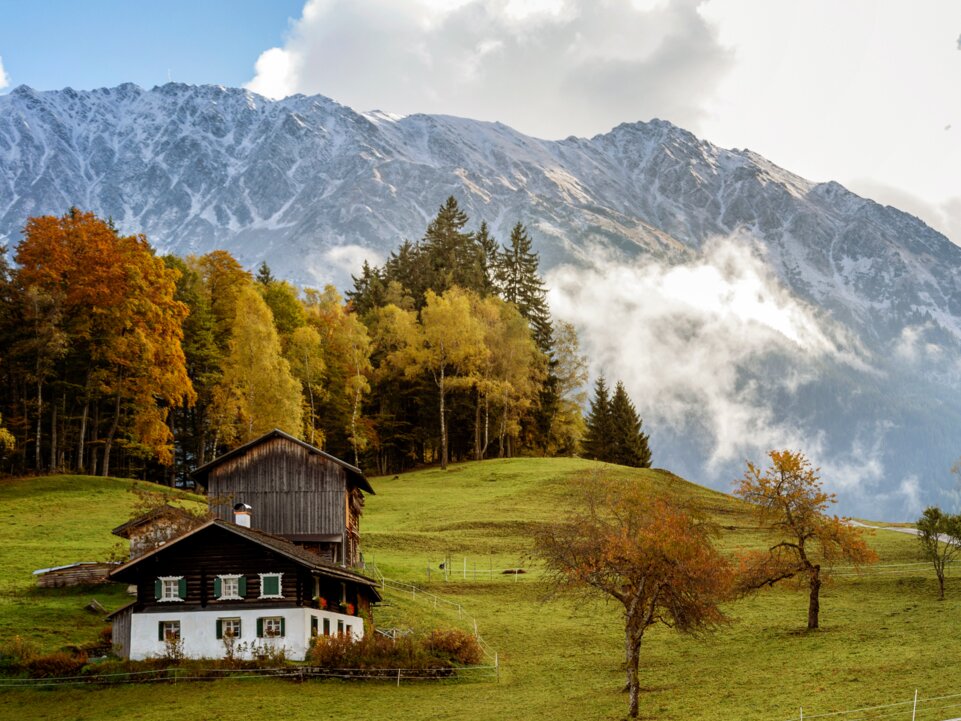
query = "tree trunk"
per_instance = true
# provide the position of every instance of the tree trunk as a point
(633, 685)
(814, 603)
(53, 437)
(477, 429)
(36, 450)
(108, 443)
(940, 582)
(443, 423)
(83, 424)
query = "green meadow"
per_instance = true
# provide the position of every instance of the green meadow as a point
(884, 632)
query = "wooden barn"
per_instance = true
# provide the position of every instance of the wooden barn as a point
(293, 490)
(155, 528)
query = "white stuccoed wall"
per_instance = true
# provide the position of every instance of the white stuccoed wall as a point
(198, 630)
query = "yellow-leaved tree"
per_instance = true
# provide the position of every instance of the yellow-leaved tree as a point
(447, 343)
(257, 391)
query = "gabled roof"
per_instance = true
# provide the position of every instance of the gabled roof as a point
(309, 560)
(124, 529)
(353, 472)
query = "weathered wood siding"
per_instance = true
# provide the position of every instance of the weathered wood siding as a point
(291, 491)
(120, 632)
(79, 575)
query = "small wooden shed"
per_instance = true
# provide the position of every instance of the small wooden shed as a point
(294, 490)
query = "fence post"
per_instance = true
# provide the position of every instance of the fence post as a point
(914, 712)
(497, 667)
(398, 677)
(802, 713)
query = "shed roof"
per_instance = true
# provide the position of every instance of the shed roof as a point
(124, 529)
(353, 472)
(309, 560)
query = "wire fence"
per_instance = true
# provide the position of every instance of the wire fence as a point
(946, 707)
(294, 673)
(418, 593)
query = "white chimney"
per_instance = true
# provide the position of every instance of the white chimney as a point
(242, 515)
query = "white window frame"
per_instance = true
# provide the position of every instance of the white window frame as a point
(273, 620)
(280, 585)
(224, 596)
(231, 620)
(167, 583)
(172, 624)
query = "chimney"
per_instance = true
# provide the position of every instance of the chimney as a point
(242, 515)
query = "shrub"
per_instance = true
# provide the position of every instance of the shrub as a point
(457, 645)
(438, 650)
(57, 664)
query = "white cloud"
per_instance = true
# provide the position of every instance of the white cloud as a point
(4, 78)
(550, 68)
(350, 258)
(687, 341)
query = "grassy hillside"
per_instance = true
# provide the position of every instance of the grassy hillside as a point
(884, 633)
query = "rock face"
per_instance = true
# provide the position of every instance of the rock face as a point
(310, 186)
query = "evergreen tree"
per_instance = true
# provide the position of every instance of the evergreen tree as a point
(453, 256)
(368, 292)
(490, 251)
(598, 441)
(629, 444)
(264, 276)
(520, 283)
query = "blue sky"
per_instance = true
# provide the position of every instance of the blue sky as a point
(52, 44)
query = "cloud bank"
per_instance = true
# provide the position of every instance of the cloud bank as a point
(549, 68)
(712, 346)
(4, 78)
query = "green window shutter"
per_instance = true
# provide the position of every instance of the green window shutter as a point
(271, 586)
(160, 631)
(260, 628)
(283, 626)
(217, 593)
(158, 591)
(182, 588)
(242, 586)
(220, 629)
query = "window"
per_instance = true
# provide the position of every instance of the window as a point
(230, 587)
(270, 586)
(228, 628)
(326, 626)
(169, 631)
(170, 588)
(314, 626)
(270, 627)
(340, 628)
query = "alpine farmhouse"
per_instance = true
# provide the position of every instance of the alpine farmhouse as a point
(272, 575)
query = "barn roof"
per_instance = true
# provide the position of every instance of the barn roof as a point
(164, 511)
(353, 472)
(309, 560)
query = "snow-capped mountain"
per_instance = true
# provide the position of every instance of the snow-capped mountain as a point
(311, 186)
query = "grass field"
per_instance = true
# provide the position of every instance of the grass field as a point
(884, 632)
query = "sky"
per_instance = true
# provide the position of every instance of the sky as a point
(865, 92)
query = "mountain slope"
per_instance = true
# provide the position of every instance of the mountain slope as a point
(850, 356)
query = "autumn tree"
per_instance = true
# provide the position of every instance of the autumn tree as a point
(644, 550)
(113, 301)
(939, 536)
(447, 343)
(257, 391)
(790, 503)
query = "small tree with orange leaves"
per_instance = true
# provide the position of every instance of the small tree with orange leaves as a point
(647, 552)
(790, 504)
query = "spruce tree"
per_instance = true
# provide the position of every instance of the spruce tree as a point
(629, 446)
(264, 276)
(490, 252)
(520, 283)
(453, 256)
(597, 442)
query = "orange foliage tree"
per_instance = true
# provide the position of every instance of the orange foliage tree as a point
(790, 505)
(647, 551)
(115, 306)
